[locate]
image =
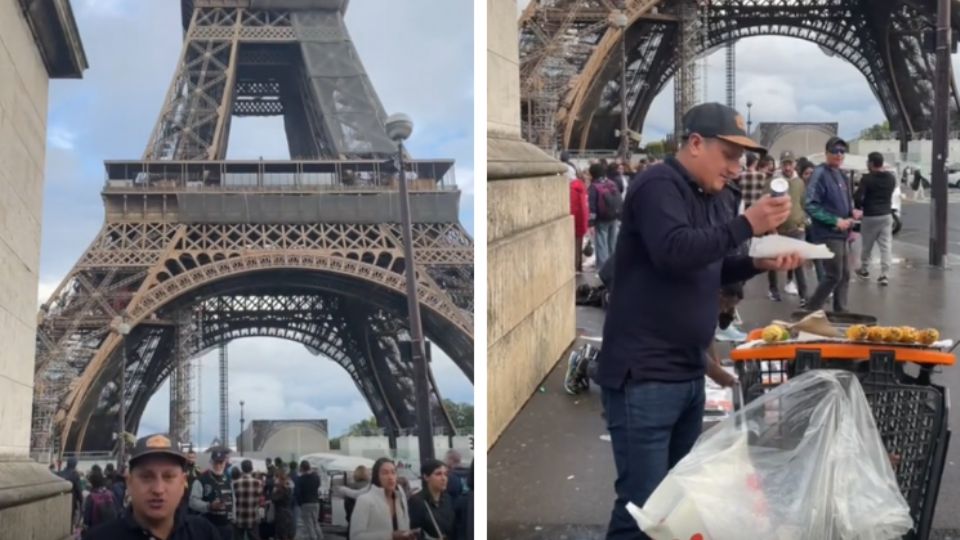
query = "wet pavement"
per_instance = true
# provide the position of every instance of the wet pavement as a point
(916, 223)
(550, 475)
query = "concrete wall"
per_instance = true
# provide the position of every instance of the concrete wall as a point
(530, 297)
(408, 448)
(33, 503)
(298, 440)
(23, 113)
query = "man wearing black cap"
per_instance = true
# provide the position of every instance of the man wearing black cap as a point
(211, 495)
(155, 487)
(829, 202)
(673, 255)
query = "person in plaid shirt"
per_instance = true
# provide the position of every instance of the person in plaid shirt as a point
(752, 183)
(246, 490)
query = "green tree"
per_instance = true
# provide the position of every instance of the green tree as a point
(877, 132)
(368, 426)
(654, 149)
(461, 414)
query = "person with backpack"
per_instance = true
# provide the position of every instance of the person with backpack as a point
(605, 202)
(100, 506)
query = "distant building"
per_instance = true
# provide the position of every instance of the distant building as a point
(285, 437)
(801, 138)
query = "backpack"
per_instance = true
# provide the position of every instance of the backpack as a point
(102, 507)
(609, 201)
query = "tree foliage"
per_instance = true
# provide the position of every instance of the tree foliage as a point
(877, 132)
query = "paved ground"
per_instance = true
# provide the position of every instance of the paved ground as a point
(916, 223)
(551, 475)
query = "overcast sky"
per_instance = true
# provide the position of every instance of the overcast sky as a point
(419, 55)
(787, 80)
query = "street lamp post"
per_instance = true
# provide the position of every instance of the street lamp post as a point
(941, 123)
(123, 328)
(749, 119)
(619, 20)
(399, 127)
(240, 445)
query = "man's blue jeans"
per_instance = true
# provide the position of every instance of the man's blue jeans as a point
(605, 240)
(652, 425)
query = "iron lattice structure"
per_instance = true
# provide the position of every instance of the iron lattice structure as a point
(572, 45)
(196, 251)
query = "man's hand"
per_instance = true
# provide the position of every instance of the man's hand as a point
(719, 375)
(216, 505)
(768, 213)
(844, 224)
(857, 214)
(783, 262)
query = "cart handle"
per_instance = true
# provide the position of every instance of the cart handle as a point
(842, 351)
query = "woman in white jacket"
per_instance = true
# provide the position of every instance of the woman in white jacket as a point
(381, 513)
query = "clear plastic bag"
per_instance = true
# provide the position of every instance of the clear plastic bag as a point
(802, 462)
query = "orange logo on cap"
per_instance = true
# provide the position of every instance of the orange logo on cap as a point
(158, 441)
(741, 123)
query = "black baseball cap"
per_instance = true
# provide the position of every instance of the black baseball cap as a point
(721, 122)
(835, 141)
(156, 444)
(219, 454)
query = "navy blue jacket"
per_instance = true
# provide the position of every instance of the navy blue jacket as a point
(828, 199)
(672, 256)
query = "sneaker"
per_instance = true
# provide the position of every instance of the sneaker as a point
(730, 333)
(803, 303)
(570, 380)
(791, 288)
(883, 281)
(774, 296)
(863, 273)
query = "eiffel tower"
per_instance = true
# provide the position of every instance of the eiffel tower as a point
(570, 56)
(196, 250)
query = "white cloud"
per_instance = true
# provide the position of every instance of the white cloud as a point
(60, 137)
(100, 8)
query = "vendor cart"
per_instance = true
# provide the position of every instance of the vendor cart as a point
(910, 410)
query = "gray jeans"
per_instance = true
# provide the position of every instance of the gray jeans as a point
(836, 278)
(310, 518)
(879, 230)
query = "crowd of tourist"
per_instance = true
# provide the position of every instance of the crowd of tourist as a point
(165, 495)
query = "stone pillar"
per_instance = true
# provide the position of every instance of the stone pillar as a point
(531, 278)
(33, 502)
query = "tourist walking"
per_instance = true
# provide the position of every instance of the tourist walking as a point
(605, 203)
(829, 202)
(100, 506)
(285, 527)
(246, 492)
(307, 491)
(580, 209)
(874, 196)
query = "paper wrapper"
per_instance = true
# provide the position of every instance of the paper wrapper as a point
(815, 323)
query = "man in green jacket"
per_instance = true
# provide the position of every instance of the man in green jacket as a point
(794, 226)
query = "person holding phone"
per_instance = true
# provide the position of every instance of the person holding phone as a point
(382, 512)
(212, 494)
